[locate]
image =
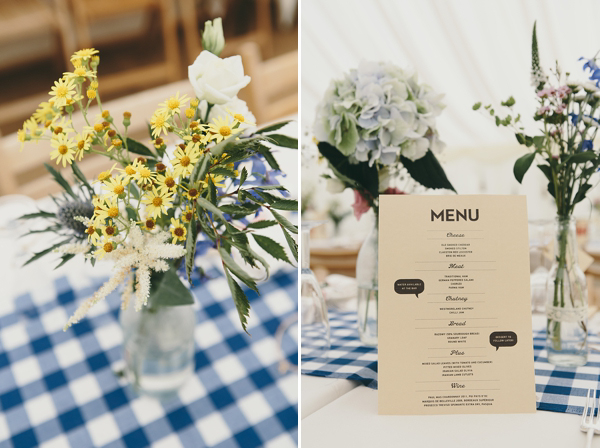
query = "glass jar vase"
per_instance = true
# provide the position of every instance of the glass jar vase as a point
(158, 348)
(367, 278)
(566, 304)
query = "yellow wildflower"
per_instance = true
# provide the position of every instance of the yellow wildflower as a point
(184, 161)
(44, 112)
(220, 128)
(115, 186)
(144, 176)
(115, 143)
(84, 143)
(178, 231)
(107, 209)
(62, 92)
(159, 124)
(149, 224)
(188, 214)
(109, 230)
(84, 54)
(105, 174)
(64, 149)
(173, 104)
(166, 182)
(79, 73)
(132, 169)
(93, 236)
(239, 118)
(157, 203)
(107, 247)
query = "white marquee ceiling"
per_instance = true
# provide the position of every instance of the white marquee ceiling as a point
(472, 50)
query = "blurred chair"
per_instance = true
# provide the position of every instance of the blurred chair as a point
(26, 19)
(86, 12)
(24, 172)
(273, 92)
(195, 12)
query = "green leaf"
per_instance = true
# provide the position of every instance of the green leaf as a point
(38, 255)
(284, 222)
(40, 214)
(212, 191)
(522, 165)
(61, 180)
(284, 141)
(539, 141)
(190, 247)
(203, 203)
(64, 259)
(261, 224)
(273, 127)
(427, 171)
(131, 213)
(547, 171)
(582, 157)
(286, 204)
(266, 197)
(200, 170)
(246, 209)
(272, 247)
(293, 245)
(241, 301)
(52, 228)
(139, 148)
(476, 106)
(243, 176)
(167, 289)
(133, 189)
(79, 175)
(237, 270)
(271, 187)
(580, 196)
(222, 171)
(266, 153)
(359, 176)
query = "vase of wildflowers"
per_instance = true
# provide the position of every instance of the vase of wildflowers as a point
(376, 128)
(206, 175)
(567, 114)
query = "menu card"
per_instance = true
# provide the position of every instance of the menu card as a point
(454, 305)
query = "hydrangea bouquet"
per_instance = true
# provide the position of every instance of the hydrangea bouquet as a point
(568, 115)
(376, 126)
(373, 124)
(196, 186)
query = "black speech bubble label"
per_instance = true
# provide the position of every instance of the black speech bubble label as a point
(503, 339)
(409, 286)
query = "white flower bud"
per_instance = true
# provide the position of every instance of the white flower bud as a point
(212, 37)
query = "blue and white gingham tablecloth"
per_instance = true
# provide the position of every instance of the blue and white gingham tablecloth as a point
(59, 389)
(558, 389)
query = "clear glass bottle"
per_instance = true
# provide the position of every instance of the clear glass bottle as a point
(316, 337)
(367, 278)
(566, 305)
(158, 348)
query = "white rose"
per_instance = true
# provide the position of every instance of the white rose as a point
(335, 185)
(217, 80)
(235, 106)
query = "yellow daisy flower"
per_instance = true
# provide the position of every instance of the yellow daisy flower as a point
(107, 209)
(105, 174)
(159, 124)
(78, 74)
(188, 214)
(115, 186)
(114, 143)
(178, 231)
(239, 118)
(62, 92)
(132, 169)
(221, 128)
(217, 180)
(173, 104)
(64, 149)
(84, 54)
(84, 143)
(107, 247)
(166, 182)
(44, 112)
(149, 224)
(144, 176)
(157, 202)
(184, 161)
(62, 124)
(109, 230)
(93, 236)
(193, 193)
(30, 126)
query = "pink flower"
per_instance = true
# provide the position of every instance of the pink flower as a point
(542, 110)
(393, 190)
(561, 107)
(360, 205)
(563, 91)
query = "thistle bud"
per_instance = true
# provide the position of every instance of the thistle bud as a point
(212, 37)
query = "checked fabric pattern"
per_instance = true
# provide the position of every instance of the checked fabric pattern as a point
(59, 389)
(558, 389)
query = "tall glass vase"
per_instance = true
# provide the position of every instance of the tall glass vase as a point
(566, 305)
(367, 278)
(158, 348)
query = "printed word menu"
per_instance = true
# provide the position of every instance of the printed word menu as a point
(454, 305)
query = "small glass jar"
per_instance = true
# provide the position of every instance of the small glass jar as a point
(367, 269)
